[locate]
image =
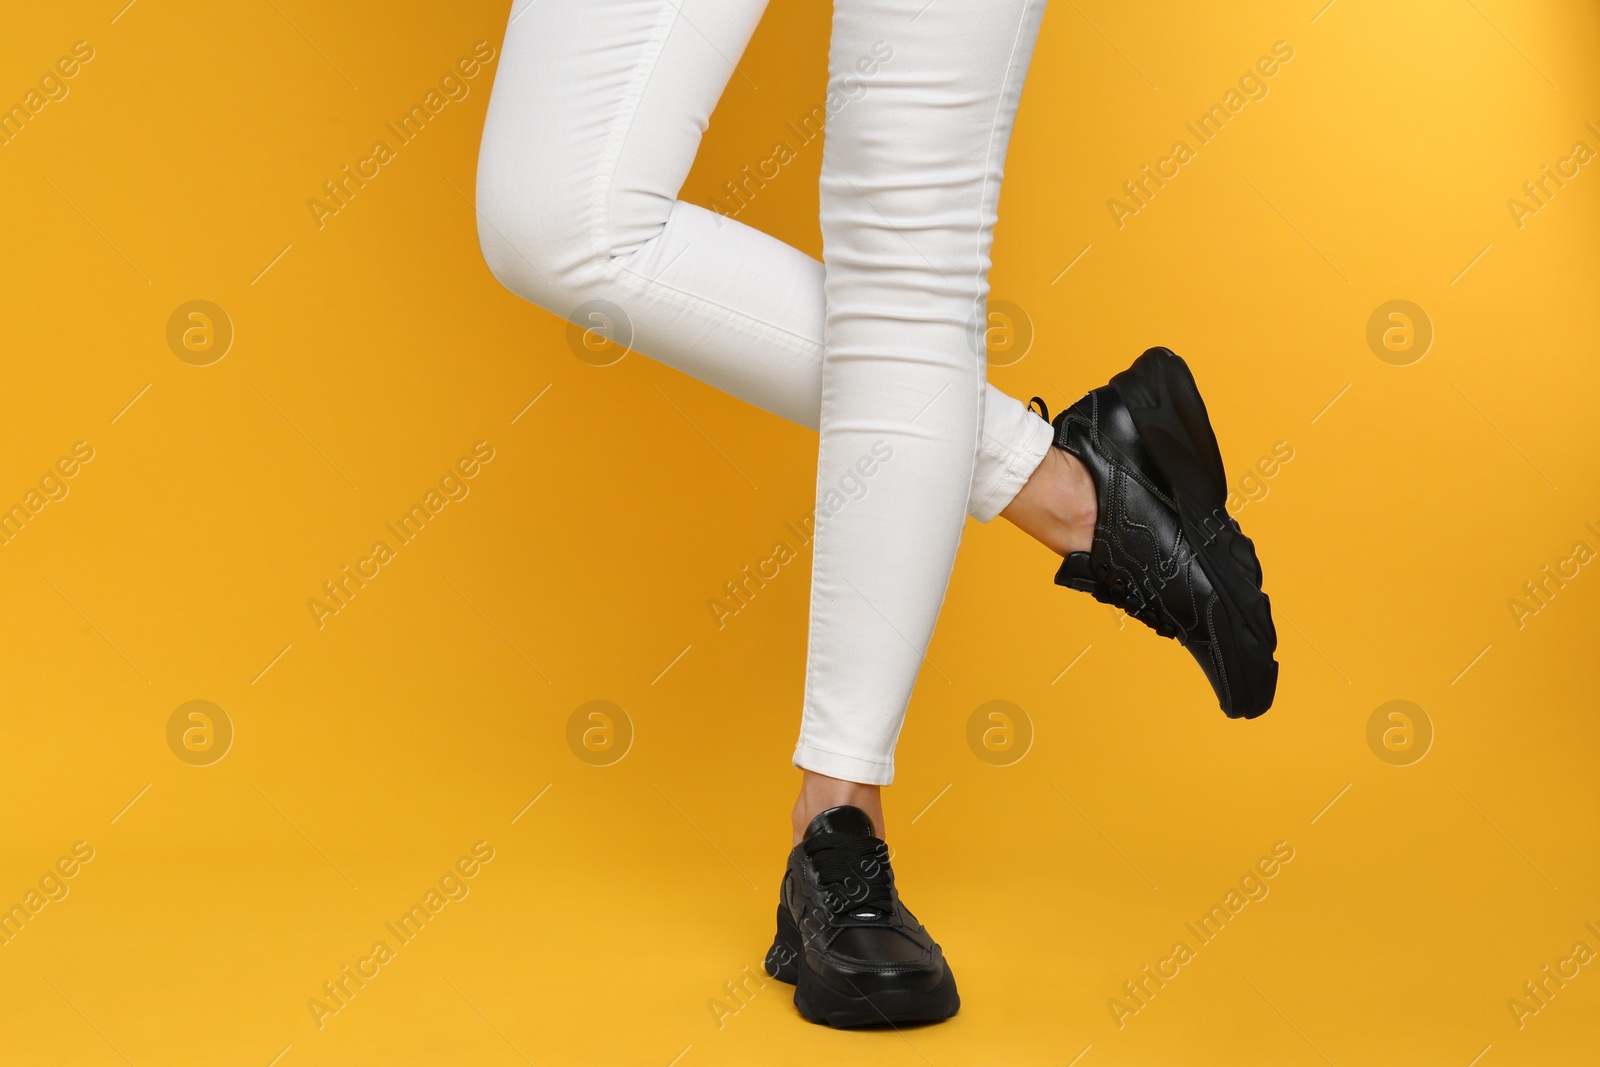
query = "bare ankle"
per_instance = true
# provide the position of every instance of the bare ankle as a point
(1057, 506)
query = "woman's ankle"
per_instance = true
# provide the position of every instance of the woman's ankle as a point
(1057, 506)
(818, 793)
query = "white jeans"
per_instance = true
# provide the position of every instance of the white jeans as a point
(596, 116)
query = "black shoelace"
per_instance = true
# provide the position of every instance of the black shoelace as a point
(855, 873)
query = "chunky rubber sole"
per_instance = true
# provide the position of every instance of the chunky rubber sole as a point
(821, 1003)
(1160, 394)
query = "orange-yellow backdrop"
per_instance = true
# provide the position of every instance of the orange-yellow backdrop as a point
(627, 903)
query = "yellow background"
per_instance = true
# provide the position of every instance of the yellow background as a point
(371, 754)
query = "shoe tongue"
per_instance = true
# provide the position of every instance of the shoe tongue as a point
(846, 820)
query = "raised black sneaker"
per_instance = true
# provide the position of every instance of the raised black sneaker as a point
(856, 955)
(1165, 549)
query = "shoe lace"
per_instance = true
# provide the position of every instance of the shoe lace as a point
(854, 873)
(1122, 590)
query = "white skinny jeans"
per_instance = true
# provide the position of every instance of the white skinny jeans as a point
(596, 116)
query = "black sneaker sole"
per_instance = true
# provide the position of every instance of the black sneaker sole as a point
(821, 1003)
(1160, 394)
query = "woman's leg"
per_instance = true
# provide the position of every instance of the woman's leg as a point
(595, 118)
(910, 178)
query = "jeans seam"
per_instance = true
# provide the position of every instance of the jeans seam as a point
(627, 113)
(1006, 476)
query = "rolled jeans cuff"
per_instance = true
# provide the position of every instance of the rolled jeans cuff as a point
(848, 768)
(1002, 472)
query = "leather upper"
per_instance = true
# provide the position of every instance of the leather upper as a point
(1140, 560)
(856, 934)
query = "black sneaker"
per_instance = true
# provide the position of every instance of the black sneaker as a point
(855, 954)
(1165, 549)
